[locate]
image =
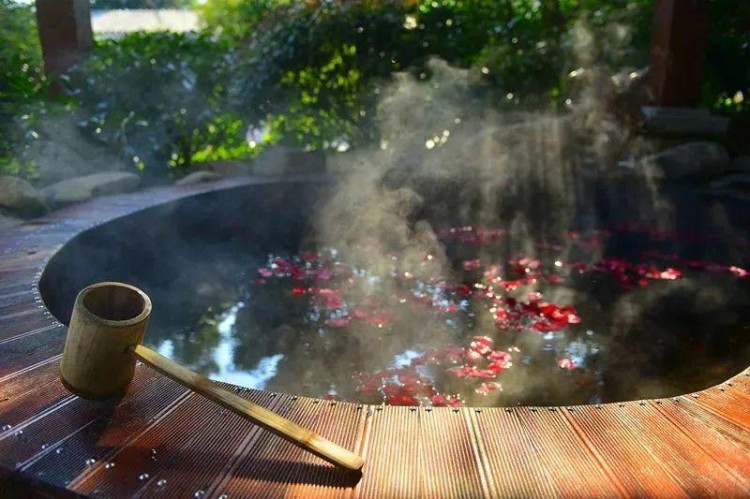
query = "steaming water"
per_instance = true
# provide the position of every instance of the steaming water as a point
(391, 298)
(636, 324)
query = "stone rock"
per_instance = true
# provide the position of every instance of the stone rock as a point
(739, 181)
(280, 160)
(693, 159)
(79, 189)
(62, 152)
(19, 197)
(736, 185)
(199, 177)
(229, 168)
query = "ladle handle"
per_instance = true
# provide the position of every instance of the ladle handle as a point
(282, 427)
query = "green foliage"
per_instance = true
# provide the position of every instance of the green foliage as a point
(236, 19)
(727, 72)
(140, 4)
(311, 68)
(309, 71)
(161, 99)
(22, 86)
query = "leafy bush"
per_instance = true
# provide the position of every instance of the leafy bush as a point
(727, 73)
(139, 4)
(160, 98)
(310, 69)
(22, 85)
(236, 19)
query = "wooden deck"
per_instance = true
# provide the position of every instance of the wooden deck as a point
(163, 440)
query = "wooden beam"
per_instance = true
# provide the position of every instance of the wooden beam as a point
(64, 32)
(678, 51)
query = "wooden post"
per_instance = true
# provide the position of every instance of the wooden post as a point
(678, 51)
(64, 32)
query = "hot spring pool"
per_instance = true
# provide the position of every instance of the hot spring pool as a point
(244, 292)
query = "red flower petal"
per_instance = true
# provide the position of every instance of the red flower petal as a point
(488, 387)
(472, 264)
(566, 364)
(738, 271)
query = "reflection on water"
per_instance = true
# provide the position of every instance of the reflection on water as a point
(225, 370)
(490, 329)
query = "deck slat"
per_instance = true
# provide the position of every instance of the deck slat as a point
(510, 461)
(18, 326)
(393, 454)
(30, 393)
(632, 462)
(699, 473)
(727, 447)
(30, 349)
(449, 450)
(182, 441)
(726, 404)
(115, 424)
(572, 467)
(272, 467)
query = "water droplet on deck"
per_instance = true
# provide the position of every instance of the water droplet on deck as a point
(19, 433)
(109, 466)
(44, 446)
(7, 427)
(224, 496)
(161, 483)
(59, 450)
(143, 477)
(199, 493)
(90, 461)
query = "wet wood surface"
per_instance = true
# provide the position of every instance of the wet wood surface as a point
(161, 439)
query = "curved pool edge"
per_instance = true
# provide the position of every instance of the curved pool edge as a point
(161, 437)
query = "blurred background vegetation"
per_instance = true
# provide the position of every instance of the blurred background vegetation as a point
(306, 72)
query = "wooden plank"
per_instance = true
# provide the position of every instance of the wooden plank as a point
(30, 349)
(510, 461)
(43, 436)
(30, 394)
(10, 280)
(393, 454)
(449, 451)
(698, 473)
(112, 427)
(25, 256)
(18, 302)
(173, 456)
(272, 467)
(17, 326)
(728, 446)
(725, 402)
(566, 459)
(637, 469)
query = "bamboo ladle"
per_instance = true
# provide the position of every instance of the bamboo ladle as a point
(104, 340)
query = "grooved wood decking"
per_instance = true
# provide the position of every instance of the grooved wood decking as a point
(163, 440)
